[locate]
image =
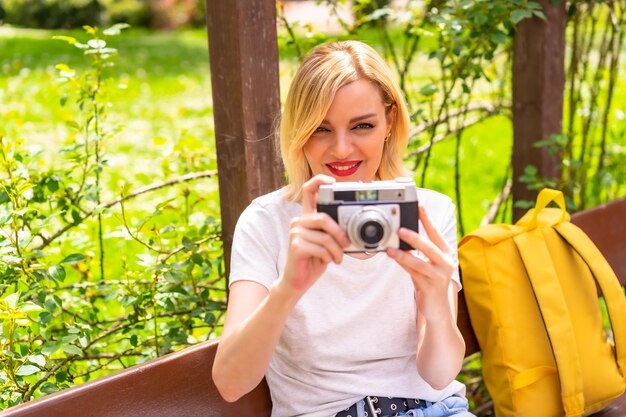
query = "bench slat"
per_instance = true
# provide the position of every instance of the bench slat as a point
(178, 384)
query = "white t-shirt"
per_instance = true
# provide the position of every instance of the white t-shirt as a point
(354, 332)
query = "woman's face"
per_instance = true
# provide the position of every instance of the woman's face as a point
(348, 144)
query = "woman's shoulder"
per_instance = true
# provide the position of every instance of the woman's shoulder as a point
(272, 205)
(273, 199)
(432, 199)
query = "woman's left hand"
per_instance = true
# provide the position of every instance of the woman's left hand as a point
(431, 271)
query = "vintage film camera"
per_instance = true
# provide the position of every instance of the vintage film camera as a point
(371, 212)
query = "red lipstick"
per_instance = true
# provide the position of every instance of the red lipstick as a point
(343, 168)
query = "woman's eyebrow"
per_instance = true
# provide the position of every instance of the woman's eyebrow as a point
(363, 117)
(354, 119)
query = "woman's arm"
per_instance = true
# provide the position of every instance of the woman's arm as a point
(256, 317)
(441, 347)
(254, 320)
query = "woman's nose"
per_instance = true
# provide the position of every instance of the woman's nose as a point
(342, 145)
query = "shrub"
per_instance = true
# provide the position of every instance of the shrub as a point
(51, 14)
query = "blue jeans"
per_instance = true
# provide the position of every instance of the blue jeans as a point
(451, 406)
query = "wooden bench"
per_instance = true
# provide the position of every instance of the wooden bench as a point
(179, 384)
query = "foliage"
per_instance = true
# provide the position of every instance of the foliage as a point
(89, 286)
(132, 12)
(54, 14)
(593, 151)
(51, 13)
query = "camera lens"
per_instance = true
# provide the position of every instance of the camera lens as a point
(369, 228)
(371, 232)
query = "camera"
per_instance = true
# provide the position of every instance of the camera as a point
(371, 212)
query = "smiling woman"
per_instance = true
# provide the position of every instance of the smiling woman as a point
(300, 310)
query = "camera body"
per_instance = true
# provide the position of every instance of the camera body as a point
(371, 212)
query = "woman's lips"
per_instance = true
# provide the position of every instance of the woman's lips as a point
(344, 169)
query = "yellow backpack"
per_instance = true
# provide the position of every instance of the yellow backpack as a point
(532, 300)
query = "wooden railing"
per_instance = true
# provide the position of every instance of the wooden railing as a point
(180, 384)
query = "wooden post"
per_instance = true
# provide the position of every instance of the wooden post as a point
(243, 53)
(538, 82)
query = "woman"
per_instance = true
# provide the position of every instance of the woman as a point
(342, 334)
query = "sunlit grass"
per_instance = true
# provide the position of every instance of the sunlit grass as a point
(160, 87)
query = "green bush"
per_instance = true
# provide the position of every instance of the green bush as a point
(134, 12)
(50, 14)
(55, 14)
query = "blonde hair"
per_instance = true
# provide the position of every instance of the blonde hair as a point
(325, 70)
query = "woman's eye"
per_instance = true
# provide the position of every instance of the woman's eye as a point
(320, 130)
(364, 126)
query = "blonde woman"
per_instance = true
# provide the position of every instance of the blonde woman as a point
(334, 333)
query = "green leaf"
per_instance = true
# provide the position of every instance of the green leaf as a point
(518, 15)
(49, 388)
(57, 273)
(67, 39)
(68, 338)
(72, 350)
(25, 370)
(498, 37)
(28, 306)
(53, 185)
(12, 299)
(133, 340)
(209, 318)
(197, 258)
(429, 90)
(50, 305)
(50, 347)
(37, 360)
(163, 204)
(73, 258)
(116, 29)
(61, 376)
(4, 197)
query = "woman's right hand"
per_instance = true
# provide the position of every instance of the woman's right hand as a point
(315, 240)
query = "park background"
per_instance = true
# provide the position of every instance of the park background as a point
(110, 250)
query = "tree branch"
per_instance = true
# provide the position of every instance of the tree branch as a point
(149, 188)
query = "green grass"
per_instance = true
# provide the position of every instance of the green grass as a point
(160, 89)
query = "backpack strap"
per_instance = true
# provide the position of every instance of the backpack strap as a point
(549, 295)
(607, 281)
